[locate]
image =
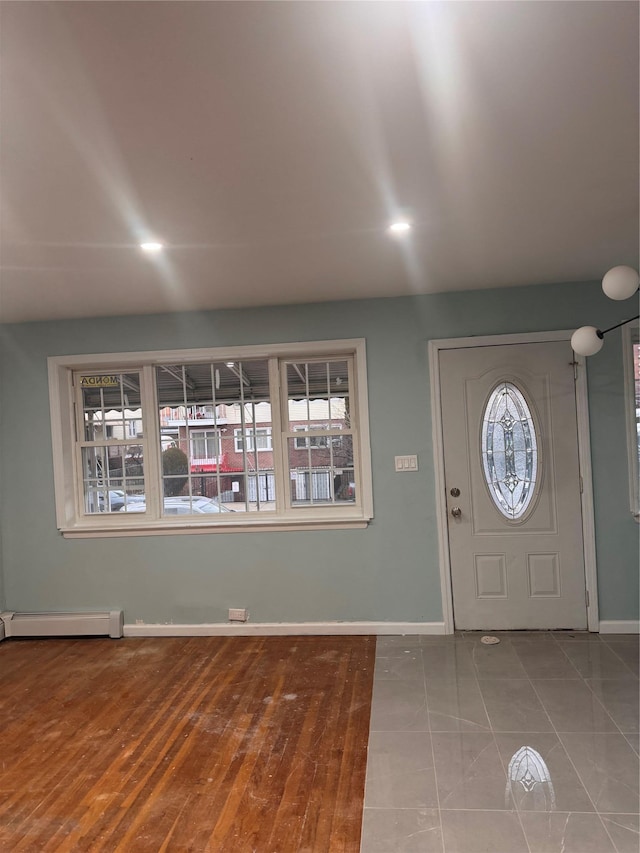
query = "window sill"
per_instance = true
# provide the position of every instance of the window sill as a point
(89, 531)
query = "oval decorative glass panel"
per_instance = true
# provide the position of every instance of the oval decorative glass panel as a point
(509, 450)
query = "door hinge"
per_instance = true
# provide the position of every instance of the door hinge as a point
(581, 484)
(575, 365)
(587, 597)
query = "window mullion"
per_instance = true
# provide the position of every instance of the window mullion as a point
(278, 396)
(309, 469)
(215, 380)
(353, 430)
(80, 438)
(254, 458)
(152, 445)
(243, 427)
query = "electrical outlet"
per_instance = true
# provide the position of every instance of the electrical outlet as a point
(238, 614)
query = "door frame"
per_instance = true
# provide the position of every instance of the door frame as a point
(435, 347)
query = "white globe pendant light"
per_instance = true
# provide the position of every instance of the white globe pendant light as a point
(587, 340)
(620, 282)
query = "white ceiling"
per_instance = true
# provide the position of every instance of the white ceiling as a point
(268, 144)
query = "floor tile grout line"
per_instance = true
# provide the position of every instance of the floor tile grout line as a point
(592, 691)
(371, 730)
(589, 687)
(612, 648)
(495, 743)
(571, 663)
(597, 811)
(634, 748)
(608, 647)
(560, 740)
(575, 769)
(585, 679)
(433, 753)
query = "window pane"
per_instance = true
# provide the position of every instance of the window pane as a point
(322, 475)
(318, 395)
(204, 446)
(344, 486)
(111, 406)
(215, 426)
(253, 438)
(113, 478)
(509, 450)
(205, 486)
(263, 439)
(262, 490)
(192, 505)
(247, 452)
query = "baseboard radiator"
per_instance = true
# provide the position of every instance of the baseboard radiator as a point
(107, 623)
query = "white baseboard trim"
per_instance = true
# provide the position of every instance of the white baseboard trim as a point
(278, 629)
(620, 626)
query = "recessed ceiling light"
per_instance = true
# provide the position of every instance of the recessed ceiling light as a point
(151, 247)
(399, 227)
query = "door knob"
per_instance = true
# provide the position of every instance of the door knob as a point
(456, 512)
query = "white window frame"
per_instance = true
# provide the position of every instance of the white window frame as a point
(631, 336)
(74, 523)
(248, 438)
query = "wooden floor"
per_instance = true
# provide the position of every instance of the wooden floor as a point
(184, 744)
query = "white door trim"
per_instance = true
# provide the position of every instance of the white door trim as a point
(435, 347)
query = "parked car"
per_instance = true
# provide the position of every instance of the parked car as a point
(183, 506)
(117, 500)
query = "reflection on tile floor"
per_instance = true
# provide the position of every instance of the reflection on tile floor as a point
(530, 745)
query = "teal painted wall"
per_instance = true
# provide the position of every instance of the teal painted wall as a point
(388, 572)
(617, 536)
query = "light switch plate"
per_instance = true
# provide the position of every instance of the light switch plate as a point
(406, 463)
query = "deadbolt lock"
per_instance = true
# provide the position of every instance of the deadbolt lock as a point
(455, 493)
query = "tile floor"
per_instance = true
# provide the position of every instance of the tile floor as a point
(529, 746)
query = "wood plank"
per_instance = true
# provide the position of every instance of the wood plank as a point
(217, 744)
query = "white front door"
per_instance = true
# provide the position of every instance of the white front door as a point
(513, 487)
